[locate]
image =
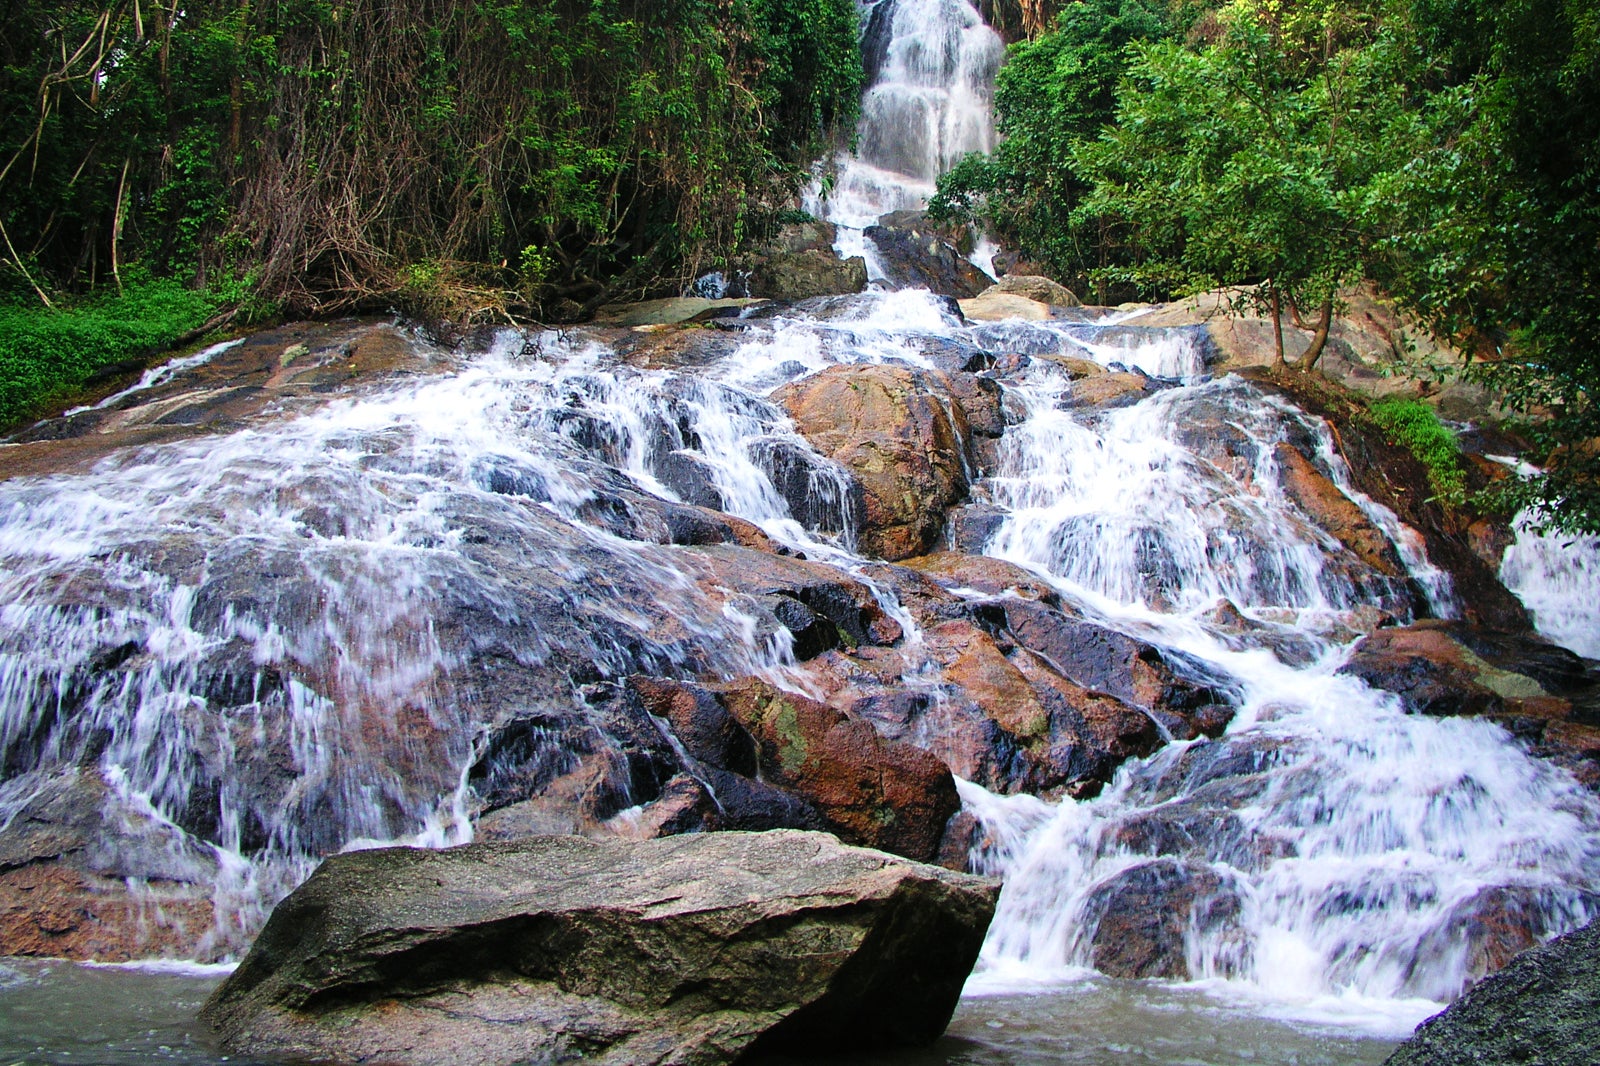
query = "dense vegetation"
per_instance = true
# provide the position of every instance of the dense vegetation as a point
(452, 158)
(536, 154)
(1448, 149)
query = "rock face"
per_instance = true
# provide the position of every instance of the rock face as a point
(1544, 694)
(917, 253)
(690, 950)
(800, 263)
(1035, 287)
(898, 432)
(1543, 1009)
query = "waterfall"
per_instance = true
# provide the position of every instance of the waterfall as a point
(1557, 577)
(931, 65)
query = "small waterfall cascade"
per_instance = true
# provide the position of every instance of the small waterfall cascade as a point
(931, 64)
(1330, 855)
(1557, 577)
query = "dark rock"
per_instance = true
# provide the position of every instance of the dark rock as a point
(803, 275)
(916, 253)
(1543, 1009)
(1140, 919)
(693, 950)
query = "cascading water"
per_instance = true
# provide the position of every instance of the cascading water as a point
(293, 637)
(1557, 577)
(931, 64)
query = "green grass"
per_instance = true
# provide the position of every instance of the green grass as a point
(47, 355)
(1414, 426)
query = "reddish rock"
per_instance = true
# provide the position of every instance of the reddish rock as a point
(1335, 512)
(990, 576)
(903, 438)
(1109, 390)
(870, 791)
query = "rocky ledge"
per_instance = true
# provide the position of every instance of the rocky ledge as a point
(1542, 1010)
(689, 950)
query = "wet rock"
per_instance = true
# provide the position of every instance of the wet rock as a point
(897, 431)
(1488, 929)
(968, 530)
(800, 263)
(1185, 697)
(1112, 389)
(872, 792)
(1141, 919)
(668, 312)
(1335, 512)
(918, 254)
(692, 949)
(985, 574)
(1544, 1007)
(1544, 694)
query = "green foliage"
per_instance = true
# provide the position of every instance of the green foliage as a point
(1416, 427)
(321, 146)
(1494, 233)
(47, 355)
(1053, 95)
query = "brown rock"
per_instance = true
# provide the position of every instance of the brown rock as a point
(1140, 918)
(1036, 287)
(873, 792)
(1335, 512)
(985, 574)
(1110, 389)
(901, 436)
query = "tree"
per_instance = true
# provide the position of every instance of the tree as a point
(1253, 159)
(1052, 95)
(1494, 233)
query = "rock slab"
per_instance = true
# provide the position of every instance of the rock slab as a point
(1541, 1010)
(688, 950)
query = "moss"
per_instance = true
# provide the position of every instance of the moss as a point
(792, 748)
(1415, 427)
(49, 354)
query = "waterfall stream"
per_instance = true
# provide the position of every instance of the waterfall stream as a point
(235, 653)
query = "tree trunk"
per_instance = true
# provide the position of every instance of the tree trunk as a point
(1320, 341)
(1277, 327)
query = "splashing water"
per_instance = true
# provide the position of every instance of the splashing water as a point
(1330, 857)
(1557, 577)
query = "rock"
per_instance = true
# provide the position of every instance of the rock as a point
(898, 432)
(692, 950)
(985, 574)
(917, 254)
(1035, 287)
(1140, 919)
(1109, 390)
(992, 306)
(1179, 692)
(800, 263)
(1543, 1008)
(669, 312)
(1544, 694)
(1335, 512)
(1434, 673)
(803, 275)
(869, 790)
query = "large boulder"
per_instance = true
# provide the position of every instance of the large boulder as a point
(1543, 1009)
(901, 434)
(799, 263)
(1035, 287)
(691, 950)
(919, 254)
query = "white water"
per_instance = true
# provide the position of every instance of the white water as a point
(1557, 577)
(930, 106)
(1345, 847)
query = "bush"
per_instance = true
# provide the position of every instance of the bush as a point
(1414, 426)
(47, 355)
